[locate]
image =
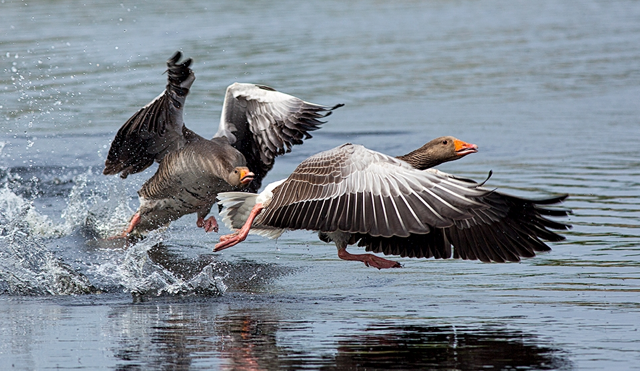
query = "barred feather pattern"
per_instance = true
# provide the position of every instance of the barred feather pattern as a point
(391, 208)
(263, 123)
(356, 190)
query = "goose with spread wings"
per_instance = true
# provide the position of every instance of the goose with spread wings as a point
(257, 124)
(396, 206)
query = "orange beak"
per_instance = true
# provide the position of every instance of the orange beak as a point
(246, 176)
(464, 148)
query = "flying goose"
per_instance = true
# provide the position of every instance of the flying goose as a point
(257, 124)
(396, 206)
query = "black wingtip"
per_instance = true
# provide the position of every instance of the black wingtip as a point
(330, 110)
(178, 72)
(553, 200)
(174, 58)
(173, 61)
(265, 87)
(486, 180)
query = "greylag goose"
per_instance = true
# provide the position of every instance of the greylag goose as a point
(398, 206)
(257, 124)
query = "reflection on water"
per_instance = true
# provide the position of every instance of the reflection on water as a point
(446, 347)
(257, 338)
(247, 340)
(150, 337)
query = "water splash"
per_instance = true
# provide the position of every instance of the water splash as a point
(136, 272)
(13, 207)
(26, 266)
(108, 216)
(75, 214)
(94, 210)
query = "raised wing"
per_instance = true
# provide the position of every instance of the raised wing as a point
(356, 190)
(156, 129)
(263, 123)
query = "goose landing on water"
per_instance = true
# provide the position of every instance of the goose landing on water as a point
(257, 124)
(396, 206)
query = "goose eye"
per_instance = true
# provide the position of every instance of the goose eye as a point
(444, 142)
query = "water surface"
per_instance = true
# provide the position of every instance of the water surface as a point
(548, 91)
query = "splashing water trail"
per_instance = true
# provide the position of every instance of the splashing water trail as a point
(34, 251)
(136, 272)
(26, 265)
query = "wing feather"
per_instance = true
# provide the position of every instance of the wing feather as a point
(394, 209)
(156, 129)
(355, 182)
(263, 123)
(511, 229)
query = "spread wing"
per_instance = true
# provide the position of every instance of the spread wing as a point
(263, 123)
(511, 228)
(156, 129)
(356, 190)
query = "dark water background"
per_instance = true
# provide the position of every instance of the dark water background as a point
(549, 90)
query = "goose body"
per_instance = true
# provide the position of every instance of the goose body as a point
(396, 206)
(257, 124)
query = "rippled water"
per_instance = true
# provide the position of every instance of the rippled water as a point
(548, 90)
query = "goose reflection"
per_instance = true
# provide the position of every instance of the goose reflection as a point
(445, 348)
(160, 335)
(249, 342)
(249, 329)
(236, 335)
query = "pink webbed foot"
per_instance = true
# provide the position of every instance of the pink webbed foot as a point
(229, 240)
(135, 220)
(209, 225)
(369, 260)
(241, 234)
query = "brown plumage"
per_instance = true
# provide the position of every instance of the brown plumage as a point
(257, 124)
(396, 206)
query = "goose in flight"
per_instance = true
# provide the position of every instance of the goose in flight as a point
(257, 124)
(395, 206)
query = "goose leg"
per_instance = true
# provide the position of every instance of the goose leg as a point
(135, 220)
(241, 234)
(369, 260)
(210, 224)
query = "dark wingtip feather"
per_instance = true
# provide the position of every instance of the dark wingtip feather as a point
(330, 110)
(178, 72)
(110, 169)
(175, 57)
(552, 200)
